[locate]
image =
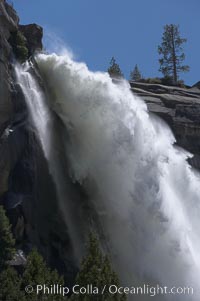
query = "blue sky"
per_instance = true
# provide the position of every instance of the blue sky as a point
(129, 30)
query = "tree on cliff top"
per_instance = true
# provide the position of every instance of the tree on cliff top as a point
(114, 69)
(96, 270)
(172, 53)
(7, 241)
(135, 75)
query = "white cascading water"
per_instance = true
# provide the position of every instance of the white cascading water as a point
(43, 123)
(144, 192)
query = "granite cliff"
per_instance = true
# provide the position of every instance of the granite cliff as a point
(12, 110)
(180, 108)
(24, 175)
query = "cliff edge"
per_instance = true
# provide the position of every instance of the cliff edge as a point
(180, 108)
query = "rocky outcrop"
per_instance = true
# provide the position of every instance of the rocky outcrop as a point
(180, 108)
(33, 34)
(197, 85)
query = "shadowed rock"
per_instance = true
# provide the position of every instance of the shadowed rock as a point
(33, 34)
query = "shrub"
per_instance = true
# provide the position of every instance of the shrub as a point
(150, 80)
(18, 43)
(167, 80)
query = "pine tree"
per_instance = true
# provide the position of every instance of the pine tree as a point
(172, 53)
(96, 270)
(7, 242)
(114, 69)
(36, 272)
(135, 75)
(10, 286)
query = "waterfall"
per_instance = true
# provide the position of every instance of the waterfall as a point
(140, 186)
(43, 123)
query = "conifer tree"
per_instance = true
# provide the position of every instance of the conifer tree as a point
(36, 272)
(171, 51)
(7, 242)
(114, 69)
(10, 286)
(135, 75)
(96, 270)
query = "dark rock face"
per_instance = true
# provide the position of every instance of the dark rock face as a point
(197, 85)
(180, 108)
(8, 23)
(27, 190)
(33, 34)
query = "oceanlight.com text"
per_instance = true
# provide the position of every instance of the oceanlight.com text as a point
(57, 289)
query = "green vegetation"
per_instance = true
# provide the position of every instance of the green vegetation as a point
(96, 270)
(7, 242)
(18, 42)
(12, 283)
(171, 61)
(10, 286)
(135, 75)
(171, 51)
(114, 69)
(167, 81)
(37, 272)
(151, 80)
